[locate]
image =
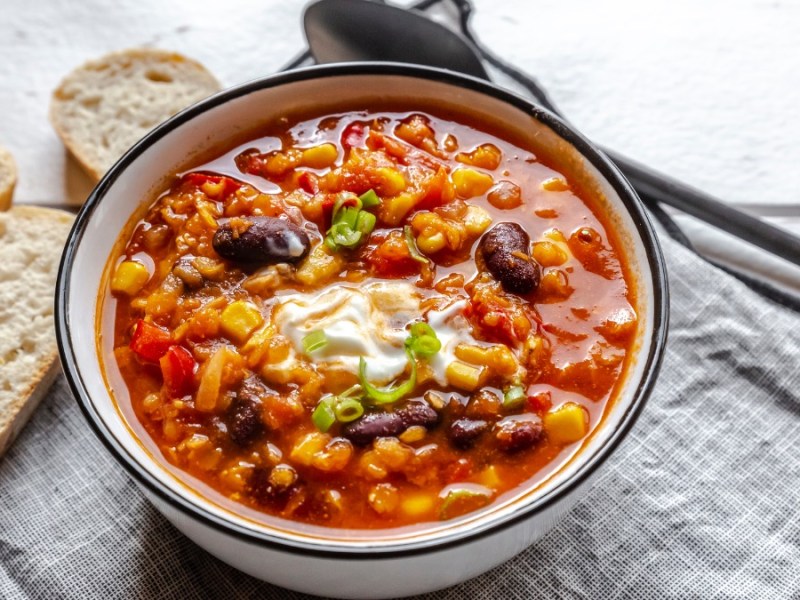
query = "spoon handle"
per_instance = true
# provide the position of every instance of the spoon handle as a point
(666, 190)
(657, 187)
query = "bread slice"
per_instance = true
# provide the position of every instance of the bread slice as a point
(8, 178)
(31, 242)
(102, 108)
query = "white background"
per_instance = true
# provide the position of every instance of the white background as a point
(705, 90)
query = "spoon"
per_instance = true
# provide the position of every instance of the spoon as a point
(353, 30)
(366, 30)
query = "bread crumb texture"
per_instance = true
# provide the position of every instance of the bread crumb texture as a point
(31, 242)
(104, 107)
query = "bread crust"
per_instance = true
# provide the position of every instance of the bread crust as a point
(16, 415)
(188, 81)
(16, 411)
(8, 178)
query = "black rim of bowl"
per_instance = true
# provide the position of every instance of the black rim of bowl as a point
(382, 549)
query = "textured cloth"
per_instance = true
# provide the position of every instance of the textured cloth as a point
(700, 501)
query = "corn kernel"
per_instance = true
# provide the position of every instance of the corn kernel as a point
(555, 184)
(548, 254)
(129, 278)
(206, 215)
(384, 498)
(489, 477)
(320, 156)
(334, 456)
(304, 450)
(554, 283)
(319, 266)
(476, 355)
(464, 376)
(171, 430)
(502, 360)
(151, 403)
(213, 189)
(430, 244)
(486, 156)
(282, 476)
(415, 433)
(470, 183)
(391, 181)
(498, 358)
(434, 399)
(555, 235)
(235, 478)
(239, 320)
(396, 208)
(477, 220)
(417, 505)
(256, 347)
(567, 424)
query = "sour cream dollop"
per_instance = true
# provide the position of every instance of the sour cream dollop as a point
(369, 321)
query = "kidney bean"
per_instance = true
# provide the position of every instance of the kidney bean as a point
(373, 425)
(418, 413)
(188, 274)
(244, 421)
(385, 423)
(266, 240)
(518, 432)
(155, 237)
(505, 250)
(266, 490)
(484, 405)
(464, 433)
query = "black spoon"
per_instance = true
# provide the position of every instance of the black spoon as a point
(352, 30)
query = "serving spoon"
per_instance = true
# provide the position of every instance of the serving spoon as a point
(368, 30)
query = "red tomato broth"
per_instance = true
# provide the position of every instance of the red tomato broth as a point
(572, 324)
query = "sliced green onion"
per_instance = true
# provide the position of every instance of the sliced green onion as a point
(412, 246)
(345, 198)
(348, 215)
(341, 234)
(392, 393)
(323, 416)
(316, 340)
(347, 409)
(425, 346)
(421, 328)
(514, 397)
(369, 199)
(349, 223)
(423, 341)
(365, 222)
(472, 498)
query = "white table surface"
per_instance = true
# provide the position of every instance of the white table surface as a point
(707, 91)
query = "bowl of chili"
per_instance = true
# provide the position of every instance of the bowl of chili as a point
(352, 320)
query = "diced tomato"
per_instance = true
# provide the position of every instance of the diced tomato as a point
(540, 402)
(391, 257)
(308, 182)
(392, 146)
(178, 367)
(494, 320)
(459, 470)
(198, 179)
(149, 341)
(353, 134)
(406, 154)
(438, 191)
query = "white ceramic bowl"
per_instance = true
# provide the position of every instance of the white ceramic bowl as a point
(378, 564)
